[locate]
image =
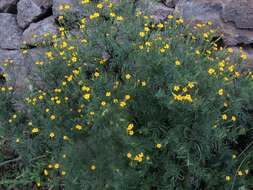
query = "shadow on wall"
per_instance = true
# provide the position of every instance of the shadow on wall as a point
(2, 77)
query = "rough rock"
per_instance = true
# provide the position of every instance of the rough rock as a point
(240, 13)
(31, 11)
(12, 61)
(158, 10)
(233, 36)
(38, 33)
(170, 3)
(10, 33)
(235, 18)
(60, 7)
(8, 6)
(200, 10)
(33, 71)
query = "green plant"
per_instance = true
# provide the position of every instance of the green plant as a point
(128, 103)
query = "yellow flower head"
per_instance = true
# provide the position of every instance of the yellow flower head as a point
(129, 155)
(178, 62)
(35, 130)
(158, 146)
(78, 127)
(93, 167)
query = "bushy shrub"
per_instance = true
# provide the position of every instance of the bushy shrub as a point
(131, 103)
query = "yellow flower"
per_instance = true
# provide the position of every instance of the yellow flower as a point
(176, 88)
(122, 104)
(221, 92)
(227, 178)
(205, 35)
(93, 167)
(142, 34)
(143, 83)
(185, 89)
(128, 76)
(158, 146)
(160, 25)
(230, 50)
(45, 172)
(224, 117)
(162, 50)
(17, 140)
(211, 71)
(130, 126)
(94, 15)
(112, 14)
(108, 94)
(234, 118)
(170, 16)
(38, 184)
(56, 166)
(115, 100)
(240, 173)
(100, 5)
(85, 1)
(52, 135)
(129, 155)
(190, 84)
(127, 97)
(146, 29)
(35, 130)
(131, 133)
(86, 96)
(103, 103)
(96, 74)
(119, 18)
(78, 127)
(52, 117)
(178, 62)
(63, 173)
(244, 56)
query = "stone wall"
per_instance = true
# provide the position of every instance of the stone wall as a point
(24, 23)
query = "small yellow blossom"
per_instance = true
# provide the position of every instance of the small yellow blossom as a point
(51, 135)
(93, 167)
(158, 146)
(221, 92)
(56, 166)
(128, 76)
(142, 34)
(78, 127)
(35, 130)
(178, 62)
(227, 178)
(129, 155)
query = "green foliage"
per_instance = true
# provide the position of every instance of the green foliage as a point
(129, 103)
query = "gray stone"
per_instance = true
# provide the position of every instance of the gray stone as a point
(38, 33)
(233, 36)
(170, 3)
(240, 13)
(12, 61)
(8, 6)
(10, 33)
(158, 10)
(74, 7)
(31, 11)
(201, 10)
(33, 72)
